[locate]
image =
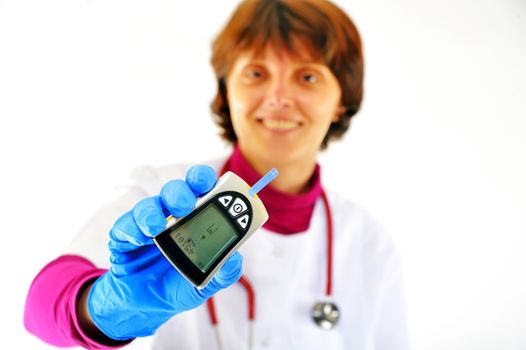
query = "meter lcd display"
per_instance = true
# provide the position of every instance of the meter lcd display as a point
(204, 238)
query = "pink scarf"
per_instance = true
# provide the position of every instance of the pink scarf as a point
(288, 213)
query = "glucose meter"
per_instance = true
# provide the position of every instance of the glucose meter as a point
(199, 244)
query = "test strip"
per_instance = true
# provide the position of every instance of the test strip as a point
(264, 181)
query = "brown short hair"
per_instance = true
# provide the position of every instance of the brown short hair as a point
(325, 28)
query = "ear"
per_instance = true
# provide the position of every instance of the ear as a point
(223, 84)
(339, 111)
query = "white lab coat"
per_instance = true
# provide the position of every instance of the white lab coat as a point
(288, 274)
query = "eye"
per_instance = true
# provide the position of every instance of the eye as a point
(253, 74)
(310, 78)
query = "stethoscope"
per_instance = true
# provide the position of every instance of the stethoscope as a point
(324, 313)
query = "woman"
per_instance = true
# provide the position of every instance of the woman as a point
(289, 78)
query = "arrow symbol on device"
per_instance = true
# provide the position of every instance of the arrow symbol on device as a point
(243, 221)
(225, 200)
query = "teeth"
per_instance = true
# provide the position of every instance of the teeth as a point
(280, 124)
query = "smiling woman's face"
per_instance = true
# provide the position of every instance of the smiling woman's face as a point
(281, 105)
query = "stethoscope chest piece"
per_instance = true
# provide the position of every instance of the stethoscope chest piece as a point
(325, 314)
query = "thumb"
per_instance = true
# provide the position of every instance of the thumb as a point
(229, 274)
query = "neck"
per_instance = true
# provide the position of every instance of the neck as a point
(293, 176)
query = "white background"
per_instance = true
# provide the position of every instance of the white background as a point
(91, 89)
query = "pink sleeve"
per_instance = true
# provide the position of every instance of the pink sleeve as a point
(50, 311)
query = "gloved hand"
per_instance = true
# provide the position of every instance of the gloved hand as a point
(142, 290)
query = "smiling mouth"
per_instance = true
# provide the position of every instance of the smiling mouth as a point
(280, 124)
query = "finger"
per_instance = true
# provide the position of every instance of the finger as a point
(229, 274)
(231, 271)
(149, 216)
(201, 179)
(132, 262)
(125, 235)
(178, 198)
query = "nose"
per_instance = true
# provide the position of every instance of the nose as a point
(279, 94)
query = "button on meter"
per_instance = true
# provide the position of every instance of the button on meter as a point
(238, 207)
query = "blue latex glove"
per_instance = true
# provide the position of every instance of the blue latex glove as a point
(142, 290)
